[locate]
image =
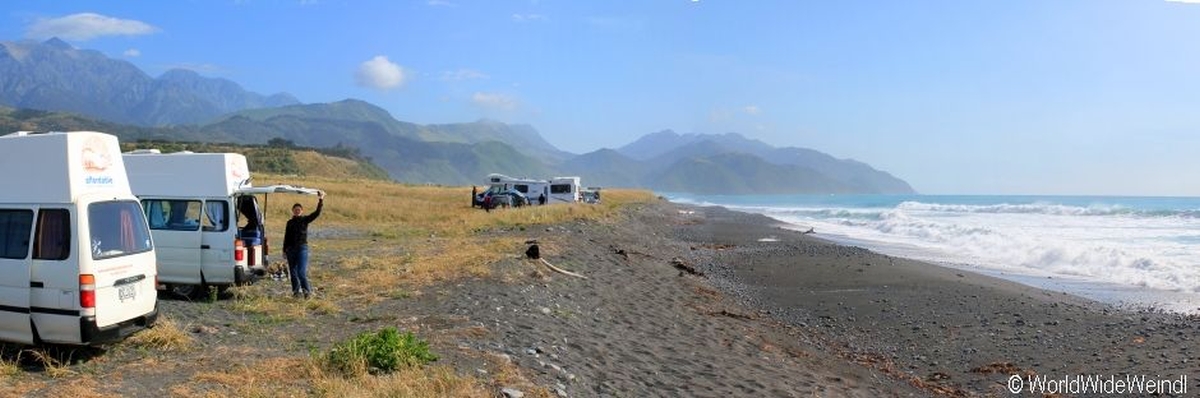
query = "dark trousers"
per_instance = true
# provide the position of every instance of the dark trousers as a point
(298, 269)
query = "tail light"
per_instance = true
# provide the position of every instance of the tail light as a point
(266, 246)
(239, 250)
(87, 291)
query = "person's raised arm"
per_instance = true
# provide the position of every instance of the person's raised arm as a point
(320, 203)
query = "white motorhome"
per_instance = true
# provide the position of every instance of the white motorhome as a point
(564, 190)
(529, 187)
(557, 189)
(204, 215)
(76, 254)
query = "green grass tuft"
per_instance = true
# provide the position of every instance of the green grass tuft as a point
(384, 351)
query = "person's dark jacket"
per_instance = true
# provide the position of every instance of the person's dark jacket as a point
(296, 234)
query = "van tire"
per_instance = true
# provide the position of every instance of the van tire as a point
(190, 292)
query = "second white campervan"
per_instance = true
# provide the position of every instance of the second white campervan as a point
(204, 216)
(76, 254)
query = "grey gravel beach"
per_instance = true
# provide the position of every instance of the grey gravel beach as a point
(688, 301)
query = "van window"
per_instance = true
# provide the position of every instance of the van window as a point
(14, 233)
(117, 228)
(174, 215)
(52, 241)
(216, 216)
(522, 188)
(560, 188)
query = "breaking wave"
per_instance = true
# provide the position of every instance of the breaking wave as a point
(1147, 244)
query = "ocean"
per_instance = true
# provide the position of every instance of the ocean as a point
(1127, 251)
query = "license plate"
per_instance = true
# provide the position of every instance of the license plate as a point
(127, 292)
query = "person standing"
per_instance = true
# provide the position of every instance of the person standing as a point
(295, 246)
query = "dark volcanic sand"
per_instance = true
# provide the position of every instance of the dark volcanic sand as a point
(959, 330)
(797, 316)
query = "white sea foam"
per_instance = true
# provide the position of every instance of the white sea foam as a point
(1147, 248)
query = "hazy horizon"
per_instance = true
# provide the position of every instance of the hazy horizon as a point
(1024, 98)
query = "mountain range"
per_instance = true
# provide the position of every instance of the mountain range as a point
(53, 75)
(54, 86)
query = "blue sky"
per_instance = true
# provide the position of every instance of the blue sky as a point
(962, 97)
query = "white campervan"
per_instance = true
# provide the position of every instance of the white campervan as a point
(205, 218)
(564, 190)
(556, 190)
(77, 258)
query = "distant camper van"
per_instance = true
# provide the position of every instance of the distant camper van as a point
(76, 253)
(206, 221)
(556, 189)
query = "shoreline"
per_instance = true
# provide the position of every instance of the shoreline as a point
(951, 327)
(1118, 295)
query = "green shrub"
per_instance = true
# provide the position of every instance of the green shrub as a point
(380, 352)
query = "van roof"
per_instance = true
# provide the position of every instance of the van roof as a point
(58, 167)
(187, 173)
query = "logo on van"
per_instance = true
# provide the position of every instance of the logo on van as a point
(95, 155)
(236, 171)
(96, 159)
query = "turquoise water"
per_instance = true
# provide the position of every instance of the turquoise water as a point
(1127, 250)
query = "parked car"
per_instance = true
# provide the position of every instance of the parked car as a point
(590, 195)
(511, 197)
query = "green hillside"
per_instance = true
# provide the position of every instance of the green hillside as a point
(736, 174)
(281, 157)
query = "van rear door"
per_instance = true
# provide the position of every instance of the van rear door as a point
(15, 232)
(122, 262)
(217, 239)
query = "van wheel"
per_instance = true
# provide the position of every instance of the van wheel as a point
(188, 291)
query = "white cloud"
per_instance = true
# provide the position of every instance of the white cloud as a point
(132, 53)
(1184, 1)
(380, 73)
(528, 17)
(463, 74)
(752, 110)
(87, 26)
(494, 101)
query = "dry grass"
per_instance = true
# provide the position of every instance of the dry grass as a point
(290, 377)
(437, 381)
(328, 166)
(392, 210)
(268, 309)
(386, 239)
(81, 387)
(53, 367)
(166, 336)
(10, 367)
